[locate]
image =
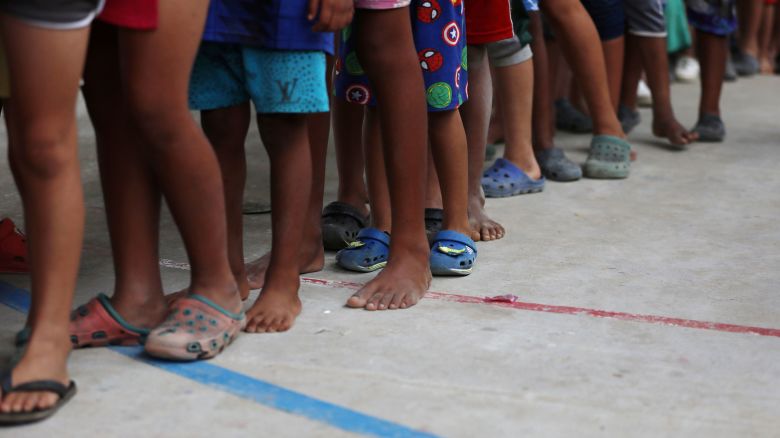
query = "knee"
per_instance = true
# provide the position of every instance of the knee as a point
(157, 120)
(41, 151)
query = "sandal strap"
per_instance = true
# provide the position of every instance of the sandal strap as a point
(36, 385)
(454, 236)
(373, 234)
(343, 209)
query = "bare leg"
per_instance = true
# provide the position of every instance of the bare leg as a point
(712, 52)
(130, 192)
(157, 70)
(41, 119)
(475, 113)
(542, 120)
(766, 55)
(654, 60)
(750, 12)
(578, 38)
(450, 153)
(286, 139)
(226, 129)
(378, 190)
(613, 56)
(516, 84)
(386, 50)
(349, 153)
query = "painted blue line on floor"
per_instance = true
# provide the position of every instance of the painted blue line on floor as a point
(241, 385)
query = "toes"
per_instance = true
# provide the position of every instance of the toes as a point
(360, 298)
(384, 303)
(30, 402)
(396, 302)
(373, 302)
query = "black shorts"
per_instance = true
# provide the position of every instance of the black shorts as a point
(53, 14)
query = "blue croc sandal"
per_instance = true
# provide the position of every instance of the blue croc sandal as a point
(452, 253)
(367, 253)
(504, 179)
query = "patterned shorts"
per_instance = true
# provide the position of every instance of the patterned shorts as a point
(277, 81)
(439, 38)
(712, 16)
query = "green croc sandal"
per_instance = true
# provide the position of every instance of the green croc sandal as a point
(609, 158)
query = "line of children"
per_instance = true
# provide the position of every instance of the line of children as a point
(146, 63)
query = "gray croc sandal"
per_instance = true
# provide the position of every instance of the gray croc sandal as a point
(341, 224)
(710, 128)
(609, 158)
(569, 118)
(556, 166)
(65, 393)
(629, 118)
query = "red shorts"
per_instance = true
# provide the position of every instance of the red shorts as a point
(131, 14)
(488, 21)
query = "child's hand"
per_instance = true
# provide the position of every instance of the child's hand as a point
(334, 14)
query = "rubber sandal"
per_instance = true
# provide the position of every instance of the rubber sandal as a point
(366, 254)
(629, 118)
(556, 166)
(609, 158)
(452, 253)
(490, 150)
(196, 328)
(710, 128)
(434, 220)
(13, 249)
(341, 224)
(98, 324)
(65, 393)
(251, 208)
(504, 179)
(569, 118)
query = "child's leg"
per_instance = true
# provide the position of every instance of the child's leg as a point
(226, 129)
(130, 192)
(312, 258)
(376, 173)
(656, 67)
(516, 83)
(450, 156)
(41, 117)
(577, 36)
(542, 119)
(712, 51)
(386, 51)
(765, 49)
(476, 117)
(157, 68)
(286, 139)
(632, 73)
(347, 118)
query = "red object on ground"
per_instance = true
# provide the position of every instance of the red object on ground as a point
(13, 249)
(509, 298)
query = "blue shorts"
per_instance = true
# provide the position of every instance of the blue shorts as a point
(712, 16)
(277, 81)
(608, 16)
(440, 39)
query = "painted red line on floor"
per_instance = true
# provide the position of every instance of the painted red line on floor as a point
(569, 310)
(548, 308)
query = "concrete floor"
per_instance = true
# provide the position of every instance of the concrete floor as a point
(691, 235)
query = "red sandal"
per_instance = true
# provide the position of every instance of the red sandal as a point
(98, 324)
(13, 249)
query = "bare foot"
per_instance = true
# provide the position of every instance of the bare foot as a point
(672, 130)
(43, 360)
(482, 227)
(276, 308)
(312, 260)
(400, 285)
(766, 66)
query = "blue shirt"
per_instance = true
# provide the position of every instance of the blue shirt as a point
(270, 24)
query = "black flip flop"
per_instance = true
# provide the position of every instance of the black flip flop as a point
(341, 224)
(18, 418)
(434, 220)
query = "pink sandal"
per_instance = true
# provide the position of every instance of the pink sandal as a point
(196, 328)
(98, 324)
